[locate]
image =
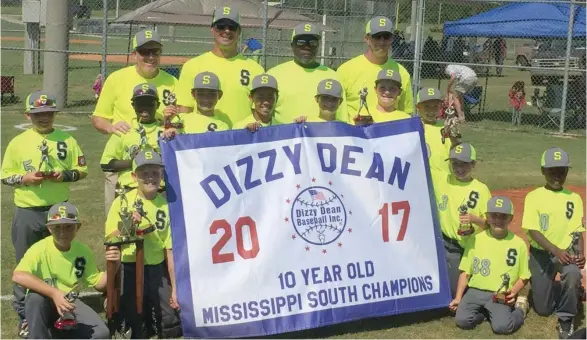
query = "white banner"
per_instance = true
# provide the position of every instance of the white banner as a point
(300, 226)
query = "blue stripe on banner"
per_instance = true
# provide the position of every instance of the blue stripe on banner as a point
(304, 320)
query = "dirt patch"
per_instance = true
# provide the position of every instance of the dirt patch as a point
(71, 41)
(165, 60)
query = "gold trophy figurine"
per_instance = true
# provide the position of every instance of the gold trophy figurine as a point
(143, 142)
(44, 148)
(451, 125)
(139, 208)
(501, 295)
(368, 119)
(573, 248)
(465, 229)
(169, 120)
(68, 321)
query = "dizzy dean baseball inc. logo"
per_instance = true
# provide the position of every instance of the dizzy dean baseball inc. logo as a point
(318, 216)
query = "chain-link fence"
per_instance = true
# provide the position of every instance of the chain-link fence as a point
(504, 42)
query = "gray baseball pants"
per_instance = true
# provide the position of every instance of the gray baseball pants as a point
(170, 320)
(41, 315)
(454, 253)
(28, 227)
(546, 300)
(503, 319)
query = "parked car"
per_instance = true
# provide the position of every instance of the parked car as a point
(525, 53)
(551, 56)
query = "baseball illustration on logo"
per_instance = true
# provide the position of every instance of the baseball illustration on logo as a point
(318, 215)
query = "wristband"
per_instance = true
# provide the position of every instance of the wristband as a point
(14, 180)
(70, 175)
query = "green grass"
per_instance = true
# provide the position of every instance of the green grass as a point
(506, 160)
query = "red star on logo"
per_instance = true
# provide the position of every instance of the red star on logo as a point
(286, 220)
(298, 186)
(307, 248)
(329, 182)
(339, 244)
(313, 180)
(324, 251)
(350, 230)
(293, 237)
(287, 201)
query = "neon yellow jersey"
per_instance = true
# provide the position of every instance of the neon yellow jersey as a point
(236, 76)
(555, 214)
(297, 91)
(198, 123)
(157, 214)
(115, 99)
(486, 259)
(317, 119)
(437, 152)
(360, 72)
(61, 269)
(382, 116)
(121, 147)
(251, 119)
(451, 194)
(23, 155)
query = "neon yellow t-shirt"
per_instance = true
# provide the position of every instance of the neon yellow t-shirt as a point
(555, 214)
(23, 155)
(486, 259)
(61, 269)
(115, 99)
(236, 76)
(450, 195)
(251, 119)
(437, 152)
(121, 147)
(197, 123)
(360, 72)
(317, 119)
(297, 91)
(382, 116)
(157, 214)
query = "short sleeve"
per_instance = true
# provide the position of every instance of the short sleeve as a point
(112, 149)
(105, 106)
(31, 260)
(91, 273)
(530, 218)
(10, 163)
(577, 221)
(524, 266)
(468, 255)
(78, 159)
(406, 103)
(485, 197)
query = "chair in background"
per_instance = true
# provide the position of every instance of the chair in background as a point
(472, 99)
(549, 104)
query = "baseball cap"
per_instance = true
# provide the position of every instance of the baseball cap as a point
(463, 152)
(329, 87)
(40, 102)
(226, 12)
(389, 74)
(379, 24)
(428, 93)
(500, 204)
(305, 29)
(264, 80)
(63, 213)
(206, 80)
(555, 157)
(145, 36)
(146, 157)
(145, 90)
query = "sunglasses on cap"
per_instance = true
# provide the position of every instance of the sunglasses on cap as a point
(222, 26)
(68, 216)
(42, 103)
(149, 51)
(383, 35)
(306, 42)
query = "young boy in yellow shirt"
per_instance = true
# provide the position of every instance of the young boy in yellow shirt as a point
(52, 270)
(264, 94)
(329, 97)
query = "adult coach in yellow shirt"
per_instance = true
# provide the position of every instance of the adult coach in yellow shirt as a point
(299, 78)
(361, 71)
(114, 112)
(235, 71)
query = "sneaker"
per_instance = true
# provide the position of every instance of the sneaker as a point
(565, 329)
(23, 329)
(522, 303)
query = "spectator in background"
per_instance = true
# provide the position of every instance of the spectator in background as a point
(97, 87)
(517, 100)
(255, 47)
(499, 53)
(462, 80)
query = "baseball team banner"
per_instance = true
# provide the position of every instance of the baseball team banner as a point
(301, 226)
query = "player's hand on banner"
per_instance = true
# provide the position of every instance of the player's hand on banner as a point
(61, 304)
(300, 119)
(119, 128)
(563, 256)
(32, 179)
(137, 218)
(253, 127)
(58, 176)
(454, 304)
(170, 133)
(510, 298)
(173, 300)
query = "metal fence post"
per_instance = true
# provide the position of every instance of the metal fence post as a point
(56, 63)
(418, 48)
(104, 38)
(567, 64)
(265, 21)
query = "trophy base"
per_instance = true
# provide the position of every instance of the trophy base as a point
(66, 323)
(363, 119)
(120, 240)
(500, 298)
(46, 174)
(466, 232)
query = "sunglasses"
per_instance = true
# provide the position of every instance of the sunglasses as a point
(43, 103)
(306, 42)
(222, 26)
(57, 217)
(379, 36)
(149, 51)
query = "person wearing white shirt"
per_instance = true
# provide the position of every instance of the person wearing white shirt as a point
(462, 80)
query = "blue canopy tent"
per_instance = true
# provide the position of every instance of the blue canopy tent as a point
(521, 20)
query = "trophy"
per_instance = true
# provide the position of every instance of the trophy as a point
(451, 122)
(125, 235)
(168, 122)
(368, 119)
(501, 295)
(573, 248)
(45, 160)
(465, 229)
(68, 321)
(143, 141)
(139, 208)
